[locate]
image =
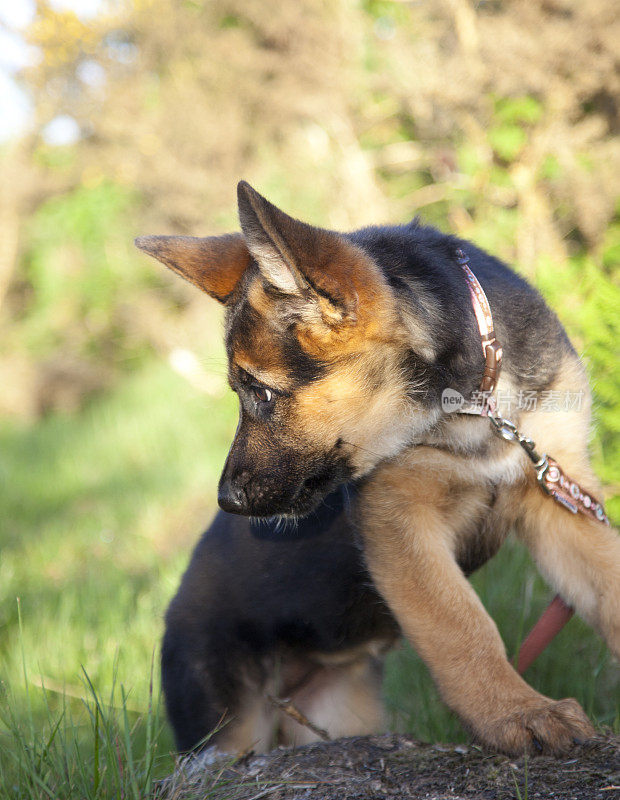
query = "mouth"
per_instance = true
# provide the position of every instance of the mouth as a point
(299, 501)
(315, 488)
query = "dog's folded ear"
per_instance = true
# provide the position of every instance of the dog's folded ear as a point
(214, 264)
(316, 266)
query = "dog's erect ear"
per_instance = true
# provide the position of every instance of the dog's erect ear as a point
(311, 264)
(214, 264)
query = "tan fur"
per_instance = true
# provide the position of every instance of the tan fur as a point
(411, 527)
(344, 700)
(579, 557)
(253, 728)
(339, 693)
(214, 264)
(372, 420)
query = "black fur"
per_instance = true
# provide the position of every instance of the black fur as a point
(254, 590)
(420, 262)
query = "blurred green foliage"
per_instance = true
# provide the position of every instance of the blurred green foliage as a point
(77, 269)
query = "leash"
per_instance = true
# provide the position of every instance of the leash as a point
(550, 476)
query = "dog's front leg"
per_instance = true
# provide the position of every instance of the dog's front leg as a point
(410, 522)
(578, 556)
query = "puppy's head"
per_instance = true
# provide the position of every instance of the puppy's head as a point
(316, 349)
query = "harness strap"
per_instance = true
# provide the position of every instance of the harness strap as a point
(569, 493)
(551, 478)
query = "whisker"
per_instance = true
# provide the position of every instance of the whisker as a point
(365, 449)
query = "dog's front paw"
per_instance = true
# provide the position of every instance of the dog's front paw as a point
(546, 728)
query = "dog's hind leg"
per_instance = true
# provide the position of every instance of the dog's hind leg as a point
(253, 726)
(340, 695)
(578, 556)
(218, 697)
(255, 708)
(215, 695)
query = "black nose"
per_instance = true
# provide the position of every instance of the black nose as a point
(232, 498)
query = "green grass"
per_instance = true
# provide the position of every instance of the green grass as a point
(55, 747)
(98, 514)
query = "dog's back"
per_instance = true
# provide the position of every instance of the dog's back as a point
(419, 263)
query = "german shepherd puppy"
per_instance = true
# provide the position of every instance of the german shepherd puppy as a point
(340, 346)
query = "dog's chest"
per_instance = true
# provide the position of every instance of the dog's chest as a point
(477, 454)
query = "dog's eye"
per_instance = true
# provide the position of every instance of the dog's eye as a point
(262, 394)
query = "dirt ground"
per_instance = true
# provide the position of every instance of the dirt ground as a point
(396, 766)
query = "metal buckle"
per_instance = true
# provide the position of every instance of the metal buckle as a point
(507, 430)
(529, 445)
(541, 471)
(504, 428)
